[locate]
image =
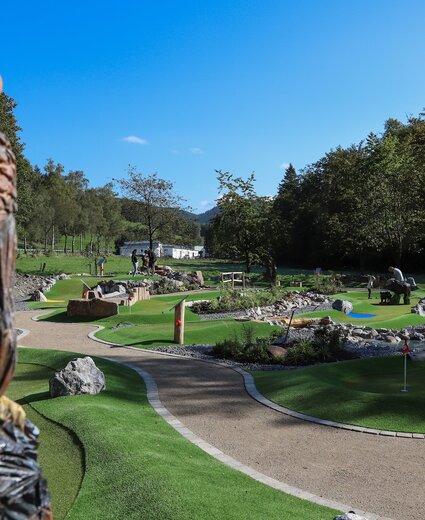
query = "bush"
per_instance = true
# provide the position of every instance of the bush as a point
(246, 348)
(324, 348)
(237, 300)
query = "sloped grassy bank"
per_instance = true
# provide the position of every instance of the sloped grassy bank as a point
(137, 466)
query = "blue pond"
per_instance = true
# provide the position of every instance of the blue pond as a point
(359, 315)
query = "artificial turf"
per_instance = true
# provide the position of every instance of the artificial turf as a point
(60, 453)
(364, 392)
(153, 320)
(137, 466)
(386, 316)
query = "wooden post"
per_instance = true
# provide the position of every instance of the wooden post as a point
(179, 322)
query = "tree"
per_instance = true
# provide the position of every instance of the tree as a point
(25, 174)
(285, 208)
(247, 225)
(155, 203)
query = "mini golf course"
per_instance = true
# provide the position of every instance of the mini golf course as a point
(111, 456)
(371, 313)
(149, 323)
(363, 392)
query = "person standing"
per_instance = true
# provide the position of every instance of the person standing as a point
(370, 281)
(101, 265)
(135, 262)
(152, 260)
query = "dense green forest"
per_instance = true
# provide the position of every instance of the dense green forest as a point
(359, 207)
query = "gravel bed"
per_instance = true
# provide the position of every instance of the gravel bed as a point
(205, 352)
(243, 313)
(21, 305)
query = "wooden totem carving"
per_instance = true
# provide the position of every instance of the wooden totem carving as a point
(23, 492)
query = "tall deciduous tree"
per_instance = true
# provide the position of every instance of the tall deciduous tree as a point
(156, 203)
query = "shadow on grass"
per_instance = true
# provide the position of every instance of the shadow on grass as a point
(34, 398)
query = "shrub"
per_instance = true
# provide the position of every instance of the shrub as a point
(325, 347)
(246, 348)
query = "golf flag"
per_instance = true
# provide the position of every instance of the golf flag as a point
(405, 348)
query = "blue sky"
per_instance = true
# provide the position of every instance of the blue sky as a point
(194, 86)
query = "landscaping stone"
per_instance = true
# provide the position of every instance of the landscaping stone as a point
(343, 306)
(95, 308)
(38, 296)
(80, 376)
(277, 352)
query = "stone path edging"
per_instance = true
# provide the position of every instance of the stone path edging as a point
(155, 402)
(255, 394)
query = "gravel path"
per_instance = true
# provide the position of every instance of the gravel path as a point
(378, 474)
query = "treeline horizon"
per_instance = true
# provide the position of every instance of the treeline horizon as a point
(357, 208)
(58, 207)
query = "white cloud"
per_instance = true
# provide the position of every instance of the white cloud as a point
(134, 139)
(176, 152)
(196, 151)
(204, 203)
(284, 165)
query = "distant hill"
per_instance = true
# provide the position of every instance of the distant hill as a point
(201, 218)
(204, 218)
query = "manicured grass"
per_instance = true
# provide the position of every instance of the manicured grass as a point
(137, 466)
(60, 454)
(387, 316)
(361, 392)
(154, 322)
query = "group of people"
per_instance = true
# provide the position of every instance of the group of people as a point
(396, 274)
(148, 260)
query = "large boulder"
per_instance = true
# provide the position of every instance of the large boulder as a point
(342, 306)
(80, 376)
(95, 308)
(38, 296)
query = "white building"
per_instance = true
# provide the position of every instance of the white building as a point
(140, 247)
(179, 252)
(161, 250)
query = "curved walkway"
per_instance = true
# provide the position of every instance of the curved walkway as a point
(384, 475)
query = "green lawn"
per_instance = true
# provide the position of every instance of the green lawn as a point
(387, 316)
(136, 465)
(153, 320)
(362, 392)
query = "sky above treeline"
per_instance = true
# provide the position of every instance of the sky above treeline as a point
(185, 87)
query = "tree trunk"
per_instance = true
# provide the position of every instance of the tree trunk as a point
(25, 243)
(73, 244)
(248, 263)
(81, 243)
(45, 242)
(53, 238)
(65, 248)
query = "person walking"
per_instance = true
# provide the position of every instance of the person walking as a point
(135, 262)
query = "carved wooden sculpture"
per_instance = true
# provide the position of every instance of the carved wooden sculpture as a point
(23, 492)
